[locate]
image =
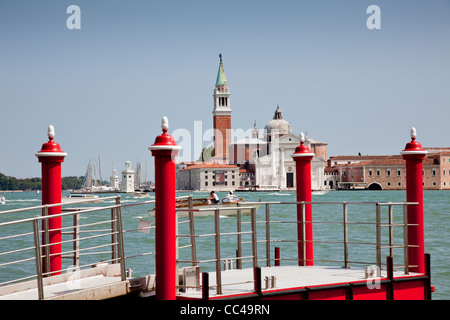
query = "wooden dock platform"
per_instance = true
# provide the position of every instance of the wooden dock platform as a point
(310, 283)
(98, 283)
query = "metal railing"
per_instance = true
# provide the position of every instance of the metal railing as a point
(99, 239)
(382, 241)
(217, 235)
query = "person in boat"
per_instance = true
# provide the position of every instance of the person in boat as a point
(214, 198)
(231, 197)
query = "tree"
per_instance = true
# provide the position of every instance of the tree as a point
(11, 183)
(207, 153)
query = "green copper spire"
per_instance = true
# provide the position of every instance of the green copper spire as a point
(221, 80)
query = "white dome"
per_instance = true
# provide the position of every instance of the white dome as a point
(277, 125)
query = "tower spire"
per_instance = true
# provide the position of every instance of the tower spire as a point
(221, 115)
(221, 79)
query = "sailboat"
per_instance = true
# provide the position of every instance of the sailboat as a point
(91, 183)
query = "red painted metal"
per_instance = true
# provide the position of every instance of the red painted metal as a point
(164, 150)
(414, 156)
(51, 156)
(277, 256)
(303, 157)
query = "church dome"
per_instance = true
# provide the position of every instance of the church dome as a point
(277, 125)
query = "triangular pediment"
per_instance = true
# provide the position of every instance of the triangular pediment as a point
(289, 138)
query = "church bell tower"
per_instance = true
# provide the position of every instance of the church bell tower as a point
(221, 116)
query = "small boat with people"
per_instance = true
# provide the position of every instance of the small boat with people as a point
(261, 188)
(2, 200)
(213, 202)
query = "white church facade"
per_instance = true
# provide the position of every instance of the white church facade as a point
(260, 161)
(278, 167)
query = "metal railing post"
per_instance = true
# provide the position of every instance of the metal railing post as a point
(239, 238)
(46, 241)
(113, 229)
(192, 233)
(38, 259)
(76, 241)
(121, 249)
(267, 235)
(303, 235)
(391, 231)
(378, 236)
(405, 237)
(254, 238)
(345, 212)
(217, 244)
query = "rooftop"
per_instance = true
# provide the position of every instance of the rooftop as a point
(209, 165)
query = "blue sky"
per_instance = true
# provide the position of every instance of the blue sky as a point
(106, 86)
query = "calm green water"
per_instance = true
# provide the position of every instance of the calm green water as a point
(437, 229)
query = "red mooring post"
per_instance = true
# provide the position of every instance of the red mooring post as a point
(51, 156)
(165, 150)
(302, 158)
(414, 156)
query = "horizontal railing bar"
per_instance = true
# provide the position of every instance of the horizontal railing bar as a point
(61, 204)
(16, 261)
(214, 260)
(79, 239)
(85, 254)
(139, 255)
(84, 249)
(214, 209)
(16, 235)
(17, 280)
(18, 250)
(334, 202)
(94, 253)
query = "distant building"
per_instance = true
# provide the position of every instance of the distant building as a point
(127, 185)
(114, 180)
(221, 116)
(249, 162)
(388, 172)
(207, 176)
(277, 167)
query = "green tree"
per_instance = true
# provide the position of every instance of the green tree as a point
(207, 153)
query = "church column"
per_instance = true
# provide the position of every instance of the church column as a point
(282, 169)
(274, 169)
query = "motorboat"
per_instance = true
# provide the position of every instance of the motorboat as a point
(258, 188)
(140, 194)
(319, 192)
(76, 197)
(206, 203)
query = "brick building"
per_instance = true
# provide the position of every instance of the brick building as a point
(207, 176)
(387, 172)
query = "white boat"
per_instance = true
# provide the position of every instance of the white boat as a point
(140, 194)
(259, 188)
(2, 200)
(76, 197)
(205, 203)
(319, 192)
